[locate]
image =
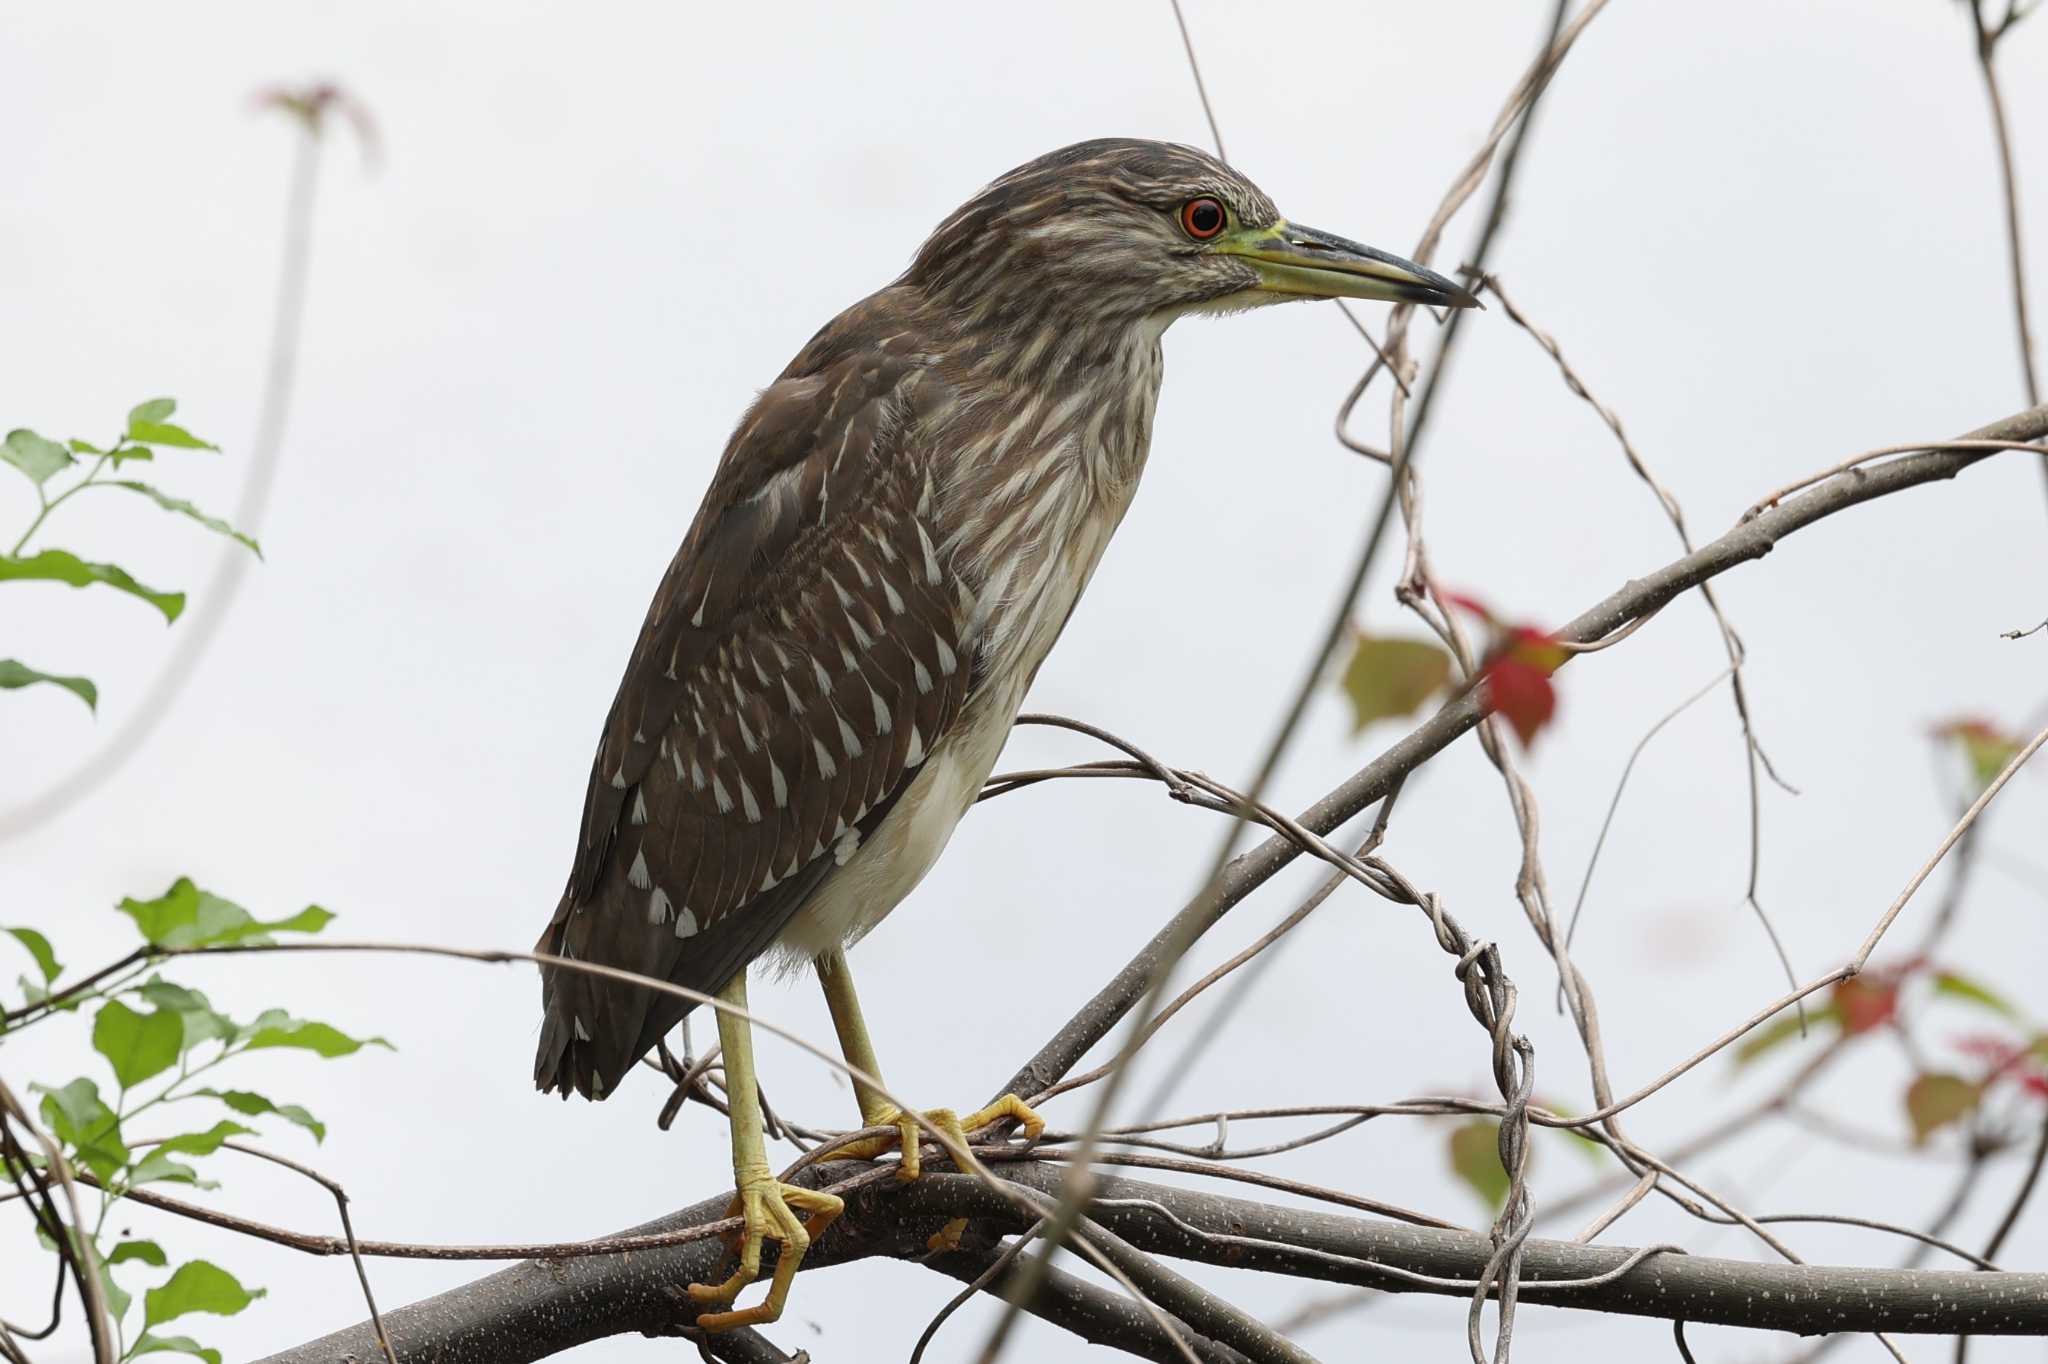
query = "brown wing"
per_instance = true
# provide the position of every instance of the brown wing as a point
(801, 656)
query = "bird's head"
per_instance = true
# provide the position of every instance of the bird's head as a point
(1117, 230)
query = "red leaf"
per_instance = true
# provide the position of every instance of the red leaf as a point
(1522, 693)
(1515, 678)
(2005, 1060)
(1536, 648)
(1866, 1002)
(1472, 604)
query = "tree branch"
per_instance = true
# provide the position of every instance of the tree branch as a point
(542, 1307)
(1751, 539)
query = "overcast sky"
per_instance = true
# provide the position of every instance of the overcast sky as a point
(1768, 233)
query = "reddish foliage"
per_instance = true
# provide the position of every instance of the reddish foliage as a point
(1515, 679)
(1465, 602)
(1522, 694)
(2024, 1064)
(1867, 1001)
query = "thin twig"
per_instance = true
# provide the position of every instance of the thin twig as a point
(348, 1231)
(1988, 36)
(979, 1282)
(1757, 762)
(1201, 88)
(212, 605)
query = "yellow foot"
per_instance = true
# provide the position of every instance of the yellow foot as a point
(945, 1120)
(765, 1203)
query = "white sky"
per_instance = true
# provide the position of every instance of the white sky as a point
(1766, 232)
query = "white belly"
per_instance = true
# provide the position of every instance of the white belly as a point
(888, 866)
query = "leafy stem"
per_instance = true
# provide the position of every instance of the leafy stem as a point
(48, 504)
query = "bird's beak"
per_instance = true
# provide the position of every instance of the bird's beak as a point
(1304, 263)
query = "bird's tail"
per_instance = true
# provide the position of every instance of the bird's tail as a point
(567, 1060)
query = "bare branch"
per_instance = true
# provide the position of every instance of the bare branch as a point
(212, 605)
(1988, 36)
(541, 1307)
(1750, 540)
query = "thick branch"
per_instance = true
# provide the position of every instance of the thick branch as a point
(542, 1307)
(1751, 539)
(1809, 1299)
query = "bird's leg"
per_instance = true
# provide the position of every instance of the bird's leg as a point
(875, 1111)
(764, 1201)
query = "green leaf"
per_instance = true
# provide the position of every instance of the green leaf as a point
(197, 1287)
(35, 456)
(34, 992)
(184, 508)
(1475, 1158)
(1388, 678)
(157, 1168)
(207, 1142)
(186, 916)
(117, 1296)
(38, 947)
(84, 447)
(62, 566)
(146, 423)
(256, 1105)
(76, 1116)
(1935, 1100)
(153, 1344)
(202, 1022)
(311, 919)
(14, 674)
(172, 919)
(149, 1252)
(1953, 986)
(137, 1045)
(276, 1028)
(170, 995)
(1784, 1028)
(164, 433)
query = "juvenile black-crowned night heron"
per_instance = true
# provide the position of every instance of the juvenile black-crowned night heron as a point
(895, 536)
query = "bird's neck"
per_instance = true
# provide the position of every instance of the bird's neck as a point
(1084, 395)
(1041, 464)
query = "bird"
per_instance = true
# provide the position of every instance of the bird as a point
(897, 532)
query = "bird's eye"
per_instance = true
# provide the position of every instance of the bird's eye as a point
(1202, 218)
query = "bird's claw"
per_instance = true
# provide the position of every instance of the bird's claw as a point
(907, 1135)
(765, 1204)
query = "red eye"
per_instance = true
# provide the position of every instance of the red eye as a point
(1202, 218)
